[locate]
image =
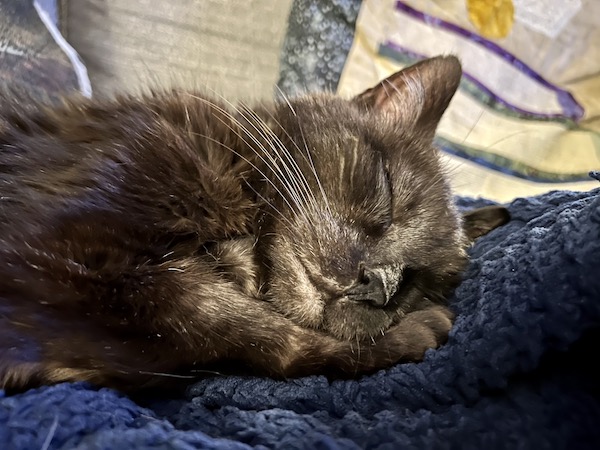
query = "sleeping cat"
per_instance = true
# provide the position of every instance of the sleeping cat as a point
(155, 239)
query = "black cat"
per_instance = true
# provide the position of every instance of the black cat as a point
(145, 240)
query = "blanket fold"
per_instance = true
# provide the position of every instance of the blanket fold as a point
(517, 371)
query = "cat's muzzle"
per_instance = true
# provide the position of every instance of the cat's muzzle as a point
(375, 286)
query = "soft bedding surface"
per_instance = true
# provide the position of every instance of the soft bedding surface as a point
(518, 370)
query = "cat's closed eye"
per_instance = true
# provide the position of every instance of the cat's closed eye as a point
(377, 229)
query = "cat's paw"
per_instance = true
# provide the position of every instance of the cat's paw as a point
(417, 332)
(313, 352)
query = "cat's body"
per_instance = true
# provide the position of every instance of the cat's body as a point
(154, 239)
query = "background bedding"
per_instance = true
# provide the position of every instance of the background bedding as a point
(526, 118)
(519, 370)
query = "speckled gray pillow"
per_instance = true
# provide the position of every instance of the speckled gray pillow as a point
(316, 45)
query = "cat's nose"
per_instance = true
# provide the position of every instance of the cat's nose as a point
(369, 288)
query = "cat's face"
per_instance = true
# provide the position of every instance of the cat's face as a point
(360, 226)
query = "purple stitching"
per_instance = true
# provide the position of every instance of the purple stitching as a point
(571, 107)
(480, 86)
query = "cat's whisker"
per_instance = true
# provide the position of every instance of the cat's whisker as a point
(166, 374)
(387, 93)
(282, 128)
(387, 348)
(296, 175)
(316, 175)
(251, 164)
(285, 99)
(50, 434)
(293, 194)
(307, 159)
(505, 138)
(288, 225)
(266, 178)
(211, 254)
(314, 170)
(273, 166)
(474, 126)
(282, 163)
(294, 191)
(299, 210)
(166, 255)
(209, 372)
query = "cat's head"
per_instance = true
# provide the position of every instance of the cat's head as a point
(359, 225)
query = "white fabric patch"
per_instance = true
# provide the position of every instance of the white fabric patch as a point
(546, 16)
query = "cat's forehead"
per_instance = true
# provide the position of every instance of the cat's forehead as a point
(353, 147)
(320, 110)
(326, 122)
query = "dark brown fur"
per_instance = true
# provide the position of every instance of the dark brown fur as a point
(144, 240)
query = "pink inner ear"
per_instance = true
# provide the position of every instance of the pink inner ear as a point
(417, 95)
(403, 97)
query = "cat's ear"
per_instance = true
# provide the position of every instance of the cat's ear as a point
(418, 95)
(480, 221)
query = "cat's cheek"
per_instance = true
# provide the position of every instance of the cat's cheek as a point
(347, 320)
(292, 292)
(237, 257)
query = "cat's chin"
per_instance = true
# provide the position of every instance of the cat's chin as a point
(344, 319)
(351, 321)
(318, 303)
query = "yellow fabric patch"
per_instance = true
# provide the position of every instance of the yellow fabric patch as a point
(493, 19)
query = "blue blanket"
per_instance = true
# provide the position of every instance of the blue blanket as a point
(518, 371)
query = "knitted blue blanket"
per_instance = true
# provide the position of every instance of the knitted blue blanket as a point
(518, 371)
